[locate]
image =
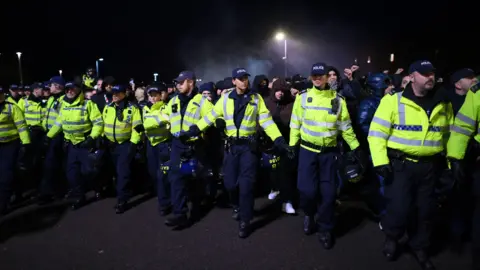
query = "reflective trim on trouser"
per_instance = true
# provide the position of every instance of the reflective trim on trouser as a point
(317, 174)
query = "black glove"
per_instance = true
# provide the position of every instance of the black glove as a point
(283, 147)
(362, 157)
(193, 131)
(23, 154)
(139, 128)
(385, 171)
(88, 143)
(459, 174)
(220, 124)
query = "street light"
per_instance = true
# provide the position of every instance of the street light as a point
(155, 75)
(20, 72)
(60, 72)
(392, 57)
(96, 62)
(368, 60)
(281, 36)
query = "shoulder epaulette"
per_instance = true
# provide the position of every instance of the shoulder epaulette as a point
(131, 104)
(475, 88)
(303, 91)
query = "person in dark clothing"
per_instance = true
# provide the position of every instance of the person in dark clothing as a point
(280, 105)
(104, 95)
(260, 85)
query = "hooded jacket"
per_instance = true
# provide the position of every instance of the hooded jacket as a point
(281, 110)
(257, 88)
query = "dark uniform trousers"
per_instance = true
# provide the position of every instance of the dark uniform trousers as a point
(240, 173)
(77, 169)
(412, 188)
(317, 185)
(178, 179)
(156, 156)
(122, 157)
(53, 167)
(8, 157)
(476, 221)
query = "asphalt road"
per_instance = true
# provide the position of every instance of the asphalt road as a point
(94, 237)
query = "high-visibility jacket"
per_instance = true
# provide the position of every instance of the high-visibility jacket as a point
(197, 108)
(13, 125)
(78, 119)
(121, 130)
(401, 124)
(34, 111)
(256, 110)
(314, 121)
(12, 100)
(52, 109)
(88, 81)
(156, 124)
(466, 124)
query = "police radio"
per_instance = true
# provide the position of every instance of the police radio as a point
(335, 105)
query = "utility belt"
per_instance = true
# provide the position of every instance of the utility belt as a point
(250, 141)
(402, 156)
(36, 129)
(322, 149)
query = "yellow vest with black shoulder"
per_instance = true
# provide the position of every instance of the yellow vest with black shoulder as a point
(12, 124)
(119, 130)
(156, 124)
(401, 124)
(256, 110)
(318, 117)
(197, 108)
(77, 120)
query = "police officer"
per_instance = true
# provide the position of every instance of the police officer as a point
(89, 78)
(406, 139)
(14, 96)
(158, 145)
(318, 115)
(184, 110)
(13, 130)
(53, 163)
(81, 123)
(241, 109)
(465, 126)
(121, 117)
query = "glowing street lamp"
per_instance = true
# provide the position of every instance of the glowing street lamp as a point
(392, 57)
(96, 62)
(155, 75)
(20, 71)
(60, 72)
(280, 36)
(369, 60)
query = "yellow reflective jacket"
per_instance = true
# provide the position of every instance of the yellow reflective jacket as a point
(34, 111)
(256, 110)
(197, 108)
(466, 124)
(314, 121)
(51, 111)
(88, 81)
(76, 119)
(155, 123)
(13, 125)
(12, 100)
(401, 124)
(121, 130)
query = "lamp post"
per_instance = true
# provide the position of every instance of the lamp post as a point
(392, 57)
(369, 60)
(60, 72)
(20, 71)
(281, 36)
(97, 64)
(155, 75)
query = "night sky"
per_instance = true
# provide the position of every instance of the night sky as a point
(139, 38)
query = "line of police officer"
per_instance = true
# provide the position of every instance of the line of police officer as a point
(407, 139)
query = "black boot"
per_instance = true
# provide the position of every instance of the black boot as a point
(308, 225)
(177, 221)
(423, 260)
(45, 199)
(165, 211)
(79, 203)
(243, 229)
(120, 207)
(390, 248)
(326, 239)
(236, 213)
